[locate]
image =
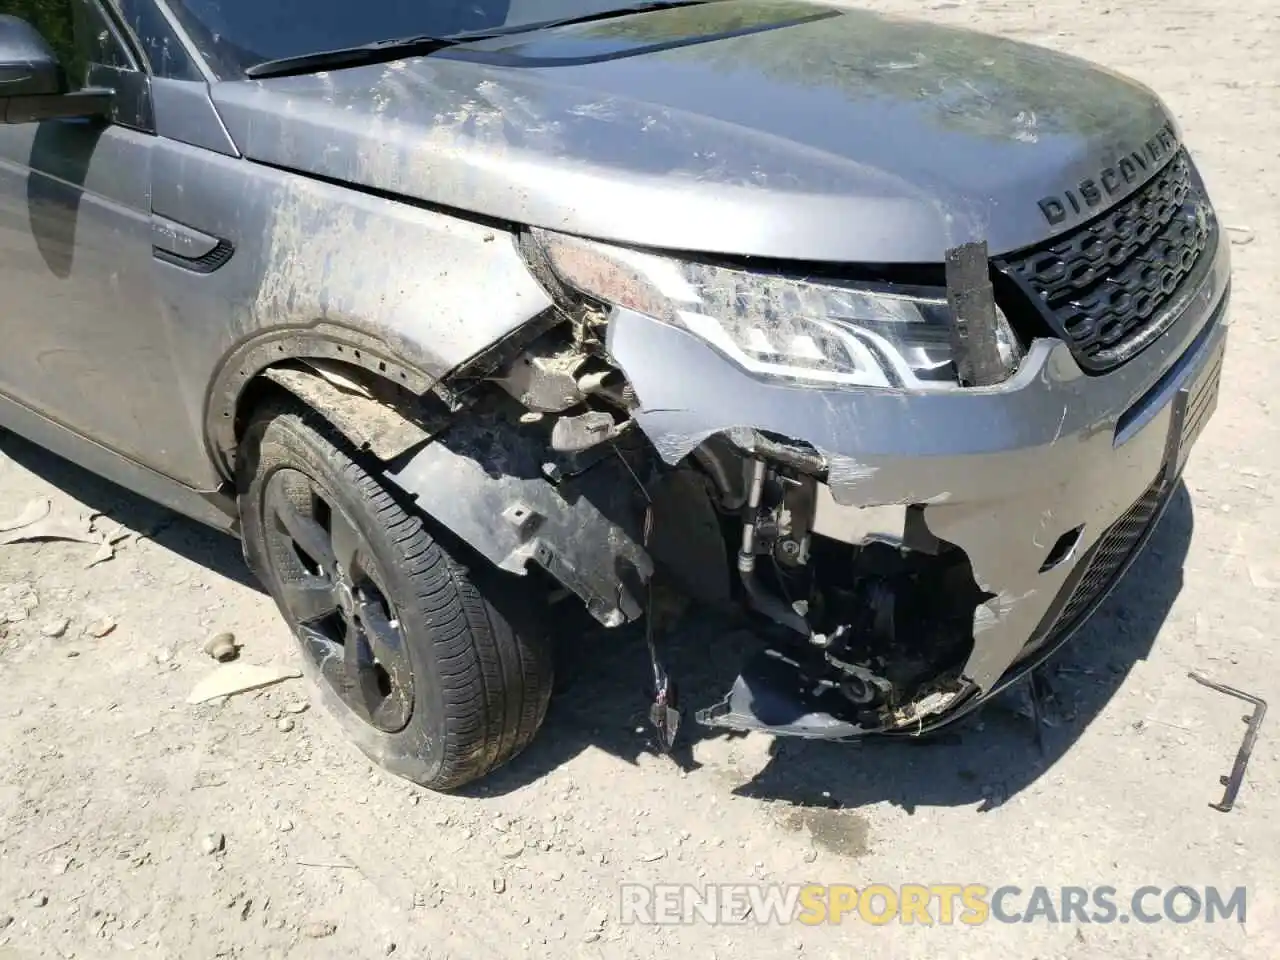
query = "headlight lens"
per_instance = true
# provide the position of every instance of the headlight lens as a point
(819, 331)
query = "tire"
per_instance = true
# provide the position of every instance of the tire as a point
(454, 642)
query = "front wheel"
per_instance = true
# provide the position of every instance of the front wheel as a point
(435, 670)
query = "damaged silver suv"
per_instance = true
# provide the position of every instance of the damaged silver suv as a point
(892, 338)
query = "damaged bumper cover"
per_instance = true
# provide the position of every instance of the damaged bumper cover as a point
(1049, 482)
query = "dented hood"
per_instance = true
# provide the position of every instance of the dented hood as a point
(773, 129)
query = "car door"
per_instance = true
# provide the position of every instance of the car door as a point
(85, 341)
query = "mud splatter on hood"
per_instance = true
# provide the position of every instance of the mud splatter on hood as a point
(752, 128)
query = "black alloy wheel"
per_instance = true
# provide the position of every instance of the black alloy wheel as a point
(329, 587)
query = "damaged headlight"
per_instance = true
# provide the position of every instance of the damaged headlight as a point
(816, 330)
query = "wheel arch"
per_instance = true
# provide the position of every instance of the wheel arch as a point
(483, 478)
(255, 364)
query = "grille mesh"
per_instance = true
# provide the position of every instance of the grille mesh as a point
(1109, 556)
(1102, 286)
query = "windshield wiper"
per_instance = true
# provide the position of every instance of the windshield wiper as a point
(382, 51)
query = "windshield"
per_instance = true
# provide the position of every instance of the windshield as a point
(234, 35)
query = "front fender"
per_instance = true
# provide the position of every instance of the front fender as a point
(322, 269)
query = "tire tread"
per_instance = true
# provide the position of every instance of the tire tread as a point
(494, 681)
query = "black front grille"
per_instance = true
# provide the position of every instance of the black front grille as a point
(1102, 286)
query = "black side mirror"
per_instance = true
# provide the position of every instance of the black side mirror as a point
(33, 85)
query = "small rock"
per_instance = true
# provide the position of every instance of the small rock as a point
(510, 847)
(651, 856)
(286, 825)
(39, 899)
(273, 713)
(1240, 235)
(389, 947)
(810, 855)
(284, 724)
(319, 929)
(591, 936)
(222, 647)
(55, 628)
(73, 653)
(163, 655)
(212, 843)
(100, 627)
(597, 918)
(63, 866)
(499, 884)
(297, 706)
(6, 919)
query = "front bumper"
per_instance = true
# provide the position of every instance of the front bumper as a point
(1003, 473)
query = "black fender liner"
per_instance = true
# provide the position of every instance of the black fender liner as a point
(488, 482)
(255, 357)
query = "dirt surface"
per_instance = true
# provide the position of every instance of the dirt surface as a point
(133, 822)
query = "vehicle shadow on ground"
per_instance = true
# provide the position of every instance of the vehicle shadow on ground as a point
(193, 541)
(985, 760)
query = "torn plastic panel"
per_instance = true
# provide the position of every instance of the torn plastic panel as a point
(899, 539)
(801, 333)
(505, 479)
(497, 485)
(494, 479)
(783, 696)
(996, 473)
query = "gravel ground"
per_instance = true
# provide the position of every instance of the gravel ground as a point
(133, 822)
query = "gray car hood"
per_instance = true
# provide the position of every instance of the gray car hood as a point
(771, 129)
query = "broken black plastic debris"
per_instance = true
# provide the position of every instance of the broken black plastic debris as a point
(973, 304)
(775, 695)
